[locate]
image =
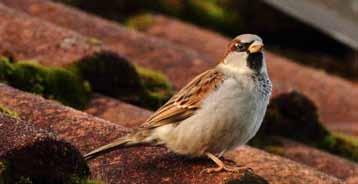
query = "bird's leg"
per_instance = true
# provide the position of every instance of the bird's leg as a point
(221, 166)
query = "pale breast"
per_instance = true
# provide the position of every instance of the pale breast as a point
(229, 117)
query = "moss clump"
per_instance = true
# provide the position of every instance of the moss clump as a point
(51, 82)
(265, 142)
(156, 84)
(247, 177)
(294, 116)
(209, 13)
(8, 112)
(340, 144)
(45, 161)
(24, 180)
(2, 172)
(140, 22)
(115, 76)
(205, 13)
(108, 74)
(94, 41)
(78, 180)
(5, 68)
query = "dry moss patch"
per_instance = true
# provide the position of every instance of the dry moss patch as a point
(8, 112)
(108, 74)
(140, 22)
(103, 72)
(46, 161)
(294, 116)
(51, 82)
(78, 180)
(340, 144)
(157, 87)
(207, 13)
(32, 155)
(114, 76)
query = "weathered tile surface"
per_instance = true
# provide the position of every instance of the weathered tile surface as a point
(145, 164)
(334, 96)
(139, 48)
(325, 162)
(117, 111)
(30, 152)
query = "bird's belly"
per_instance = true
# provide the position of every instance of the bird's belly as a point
(227, 119)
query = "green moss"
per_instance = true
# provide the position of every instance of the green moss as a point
(213, 13)
(247, 177)
(209, 13)
(294, 116)
(2, 173)
(140, 22)
(8, 112)
(108, 74)
(157, 87)
(55, 162)
(114, 76)
(72, 2)
(340, 144)
(5, 68)
(205, 13)
(105, 72)
(24, 180)
(154, 81)
(78, 180)
(264, 141)
(94, 41)
(278, 150)
(51, 82)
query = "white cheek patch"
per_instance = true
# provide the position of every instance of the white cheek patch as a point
(236, 57)
(237, 61)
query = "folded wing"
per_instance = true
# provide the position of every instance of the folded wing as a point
(187, 100)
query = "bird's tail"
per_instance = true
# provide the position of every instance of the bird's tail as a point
(126, 141)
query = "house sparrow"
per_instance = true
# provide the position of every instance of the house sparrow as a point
(217, 111)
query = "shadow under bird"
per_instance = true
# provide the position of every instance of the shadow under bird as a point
(220, 109)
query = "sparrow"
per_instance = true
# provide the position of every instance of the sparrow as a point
(219, 110)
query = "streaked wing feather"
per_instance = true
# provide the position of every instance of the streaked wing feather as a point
(187, 100)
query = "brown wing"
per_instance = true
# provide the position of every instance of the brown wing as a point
(187, 100)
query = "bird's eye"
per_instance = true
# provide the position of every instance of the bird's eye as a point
(239, 47)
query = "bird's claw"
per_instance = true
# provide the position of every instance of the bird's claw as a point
(227, 168)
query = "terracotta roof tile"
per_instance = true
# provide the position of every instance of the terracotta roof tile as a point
(335, 97)
(24, 147)
(112, 109)
(325, 162)
(117, 111)
(139, 48)
(30, 38)
(145, 164)
(328, 92)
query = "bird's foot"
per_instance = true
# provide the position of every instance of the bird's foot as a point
(227, 168)
(221, 166)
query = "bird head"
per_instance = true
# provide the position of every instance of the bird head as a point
(245, 54)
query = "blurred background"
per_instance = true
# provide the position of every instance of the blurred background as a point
(320, 33)
(120, 60)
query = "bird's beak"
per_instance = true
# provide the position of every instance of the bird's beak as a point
(255, 47)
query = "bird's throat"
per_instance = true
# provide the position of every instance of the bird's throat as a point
(255, 61)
